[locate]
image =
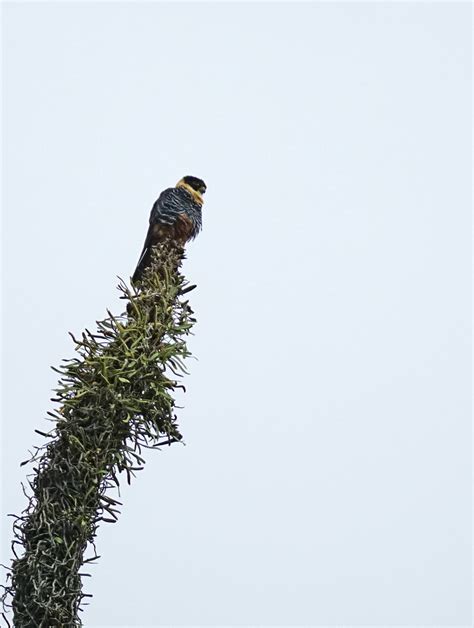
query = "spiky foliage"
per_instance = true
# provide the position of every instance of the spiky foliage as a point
(115, 398)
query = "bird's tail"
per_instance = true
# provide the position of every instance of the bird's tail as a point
(143, 262)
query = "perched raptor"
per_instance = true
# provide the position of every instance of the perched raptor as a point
(176, 216)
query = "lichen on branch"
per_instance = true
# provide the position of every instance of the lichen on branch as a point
(114, 399)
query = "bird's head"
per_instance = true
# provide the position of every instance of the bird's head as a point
(195, 186)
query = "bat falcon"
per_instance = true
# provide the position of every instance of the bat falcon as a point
(175, 216)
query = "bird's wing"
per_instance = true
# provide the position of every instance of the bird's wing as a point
(165, 211)
(168, 207)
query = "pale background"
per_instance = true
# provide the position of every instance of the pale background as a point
(326, 477)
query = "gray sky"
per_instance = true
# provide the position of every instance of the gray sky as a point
(326, 477)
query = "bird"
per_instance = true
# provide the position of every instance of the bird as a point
(175, 216)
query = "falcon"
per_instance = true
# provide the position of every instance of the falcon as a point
(175, 216)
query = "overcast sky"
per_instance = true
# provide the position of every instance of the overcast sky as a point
(326, 476)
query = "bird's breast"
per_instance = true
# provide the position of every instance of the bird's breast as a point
(184, 228)
(180, 231)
